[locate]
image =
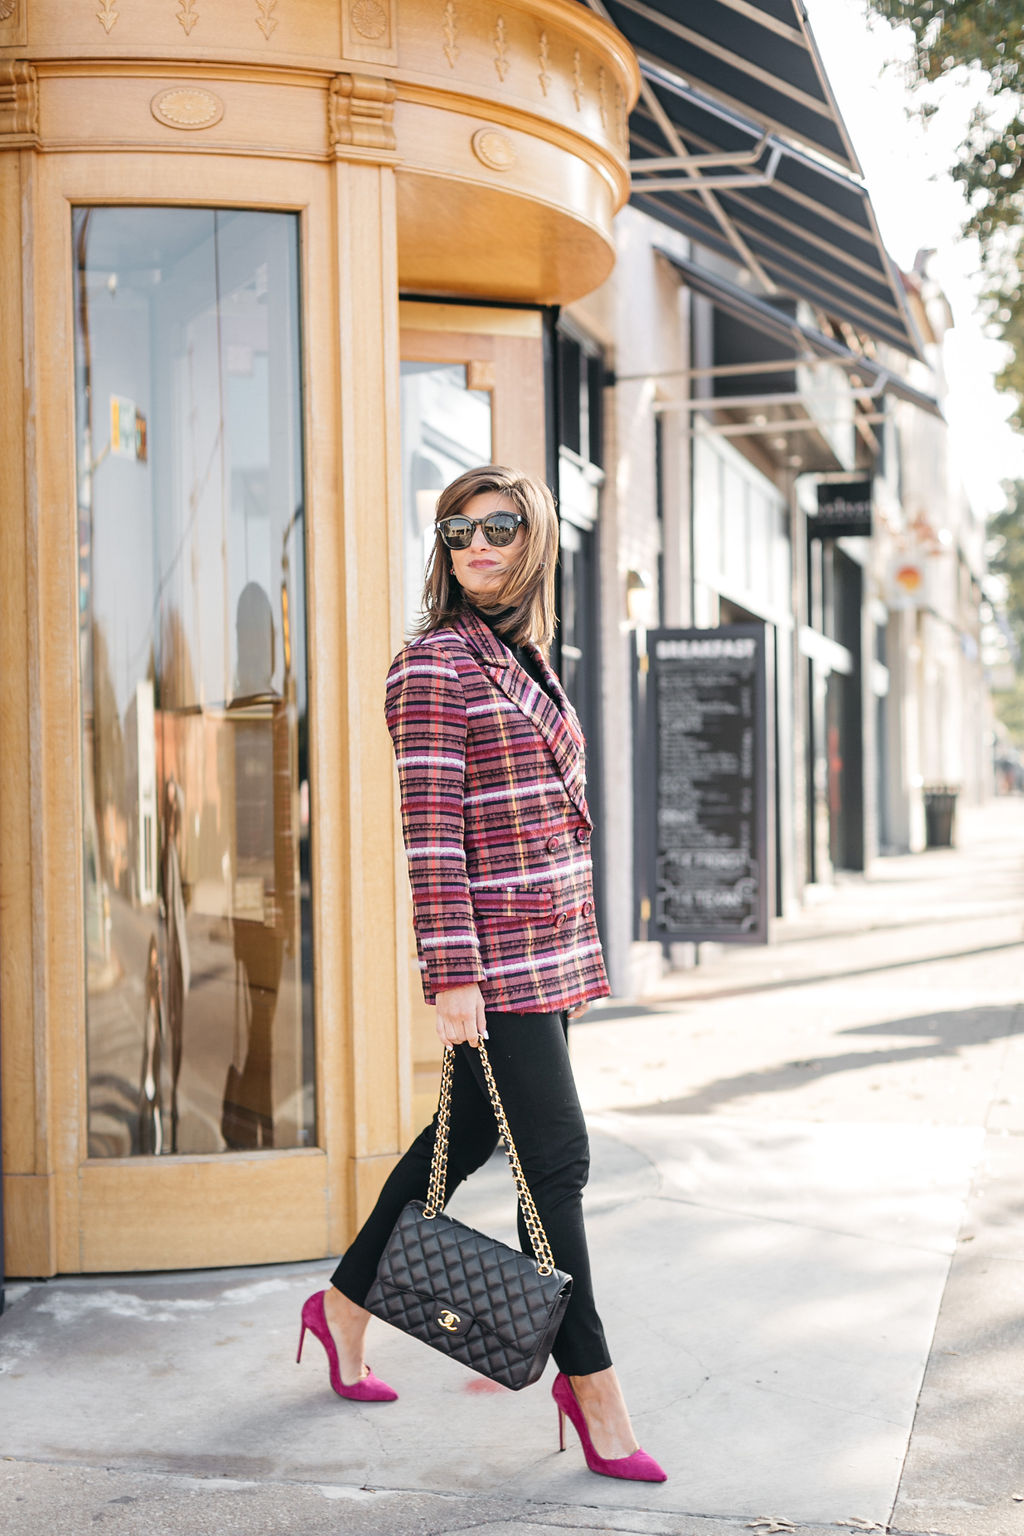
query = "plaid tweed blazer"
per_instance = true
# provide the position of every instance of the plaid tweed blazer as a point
(497, 830)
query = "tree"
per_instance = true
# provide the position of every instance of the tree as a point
(1006, 559)
(987, 36)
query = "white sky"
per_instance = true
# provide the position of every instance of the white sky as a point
(906, 168)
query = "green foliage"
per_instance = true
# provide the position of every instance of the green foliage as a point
(1009, 711)
(1008, 316)
(1006, 559)
(1006, 555)
(987, 36)
(982, 32)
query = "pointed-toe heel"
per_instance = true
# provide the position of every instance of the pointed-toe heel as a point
(370, 1388)
(638, 1467)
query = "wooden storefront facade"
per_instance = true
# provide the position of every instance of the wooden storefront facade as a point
(274, 204)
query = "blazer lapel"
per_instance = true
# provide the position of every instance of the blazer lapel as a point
(555, 684)
(557, 724)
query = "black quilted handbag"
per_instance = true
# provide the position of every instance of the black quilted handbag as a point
(466, 1294)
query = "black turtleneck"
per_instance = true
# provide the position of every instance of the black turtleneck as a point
(520, 653)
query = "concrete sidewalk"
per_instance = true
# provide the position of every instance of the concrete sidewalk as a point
(808, 1235)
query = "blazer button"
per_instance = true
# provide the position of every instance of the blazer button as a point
(554, 843)
(583, 836)
(588, 907)
(561, 919)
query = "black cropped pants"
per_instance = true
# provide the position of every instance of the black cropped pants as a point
(530, 1057)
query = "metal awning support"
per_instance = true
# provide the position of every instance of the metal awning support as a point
(729, 370)
(755, 402)
(807, 341)
(769, 428)
(703, 162)
(750, 180)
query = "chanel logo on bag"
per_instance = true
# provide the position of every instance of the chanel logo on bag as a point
(449, 1321)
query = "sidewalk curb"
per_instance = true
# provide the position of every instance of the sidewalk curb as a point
(137, 1503)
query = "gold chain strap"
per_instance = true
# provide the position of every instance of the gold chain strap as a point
(439, 1161)
(439, 1157)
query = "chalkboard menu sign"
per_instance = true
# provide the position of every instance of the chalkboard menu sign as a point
(706, 809)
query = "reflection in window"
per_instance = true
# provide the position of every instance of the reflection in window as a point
(446, 428)
(193, 664)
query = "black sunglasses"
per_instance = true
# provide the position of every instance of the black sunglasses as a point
(500, 528)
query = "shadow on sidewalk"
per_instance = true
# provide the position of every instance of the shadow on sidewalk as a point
(759, 983)
(948, 1034)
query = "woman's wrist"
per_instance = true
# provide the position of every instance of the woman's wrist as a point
(461, 1018)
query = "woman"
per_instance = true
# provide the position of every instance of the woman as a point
(490, 762)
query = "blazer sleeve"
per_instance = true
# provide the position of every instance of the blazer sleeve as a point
(426, 716)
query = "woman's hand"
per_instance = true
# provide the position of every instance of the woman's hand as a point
(460, 1015)
(577, 1013)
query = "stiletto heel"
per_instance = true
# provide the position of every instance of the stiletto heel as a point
(370, 1389)
(638, 1467)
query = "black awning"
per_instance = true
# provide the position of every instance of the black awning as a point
(799, 225)
(807, 342)
(721, 166)
(757, 56)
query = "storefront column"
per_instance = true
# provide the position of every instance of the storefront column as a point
(373, 1112)
(28, 1203)
(39, 854)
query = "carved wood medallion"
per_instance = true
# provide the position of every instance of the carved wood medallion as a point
(187, 106)
(493, 149)
(370, 19)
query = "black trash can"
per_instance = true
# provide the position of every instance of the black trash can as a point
(939, 815)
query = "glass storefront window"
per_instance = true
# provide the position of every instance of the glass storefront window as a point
(192, 634)
(446, 428)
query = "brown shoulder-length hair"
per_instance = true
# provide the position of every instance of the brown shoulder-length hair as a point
(528, 590)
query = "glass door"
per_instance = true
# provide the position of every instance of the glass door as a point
(472, 393)
(446, 429)
(193, 674)
(192, 653)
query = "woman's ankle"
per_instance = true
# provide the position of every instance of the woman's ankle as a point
(342, 1310)
(597, 1384)
(348, 1323)
(604, 1408)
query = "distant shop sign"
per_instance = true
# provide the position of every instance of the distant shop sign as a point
(844, 510)
(907, 583)
(704, 803)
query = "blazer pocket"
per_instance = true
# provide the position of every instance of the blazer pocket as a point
(518, 907)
